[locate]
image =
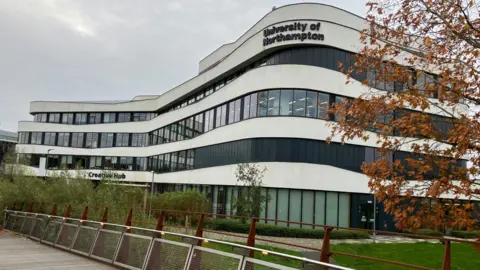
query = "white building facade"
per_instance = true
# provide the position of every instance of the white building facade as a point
(262, 99)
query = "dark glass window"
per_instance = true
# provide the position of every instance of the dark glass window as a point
(41, 117)
(110, 163)
(299, 97)
(190, 159)
(95, 162)
(50, 138)
(92, 140)
(109, 117)
(80, 118)
(198, 125)
(81, 162)
(166, 163)
(140, 164)
(106, 140)
(36, 138)
(246, 107)
(140, 139)
(262, 103)
(189, 127)
(126, 163)
(221, 116)
(54, 118)
(311, 104)
(173, 132)
(53, 162)
(286, 102)
(124, 117)
(338, 100)
(166, 134)
(63, 139)
(273, 102)
(66, 162)
(122, 139)
(209, 117)
(94, 118)
(323, 104)
(173, 161)
(181, 160)
(77, 140)
(67, 118)
(181, 130)
(253, 105)
(139, 117)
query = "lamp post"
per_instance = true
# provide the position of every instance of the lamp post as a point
(151, 196)
(46, 163)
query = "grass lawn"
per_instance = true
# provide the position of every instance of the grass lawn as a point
(430, 255)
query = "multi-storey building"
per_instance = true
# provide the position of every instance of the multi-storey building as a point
(261, 99)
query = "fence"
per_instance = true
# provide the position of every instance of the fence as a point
(143, 249)
(196, 238)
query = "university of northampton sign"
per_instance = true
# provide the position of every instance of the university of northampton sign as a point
(304, 31)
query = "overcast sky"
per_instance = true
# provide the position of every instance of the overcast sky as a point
(115, 49)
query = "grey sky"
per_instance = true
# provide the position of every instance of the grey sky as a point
(115, 49)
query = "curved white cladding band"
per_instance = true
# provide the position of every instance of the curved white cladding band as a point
(266, 77)
(300, 11)
(262, 127)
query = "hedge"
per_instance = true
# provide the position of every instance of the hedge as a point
(235, 226)
(458, 234)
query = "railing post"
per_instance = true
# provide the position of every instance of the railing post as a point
(251, 236)
(447, 258)
(30, 207)
(104, 218)
(54, 210)
(199, 232)
(84, 215)
(128, 222)
(325, 254)
(68, 212)
(159, 227)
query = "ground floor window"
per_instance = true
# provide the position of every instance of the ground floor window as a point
(296, 205)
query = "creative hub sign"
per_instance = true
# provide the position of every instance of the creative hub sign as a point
(107, 175)
(302, 31)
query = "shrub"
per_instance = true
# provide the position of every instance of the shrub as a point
(236, 226)
(426, 232)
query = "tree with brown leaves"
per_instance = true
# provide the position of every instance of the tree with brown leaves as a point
(423, 56)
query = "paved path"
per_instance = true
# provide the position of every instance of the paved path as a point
(20, 253)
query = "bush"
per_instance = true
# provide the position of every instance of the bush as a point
(425, 232)
(236, 226)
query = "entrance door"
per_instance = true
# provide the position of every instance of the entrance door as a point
(366, 215)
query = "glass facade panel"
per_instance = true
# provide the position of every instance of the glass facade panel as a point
(282, 209)
(253, 105)
(263, 206)
(238, 110)
(273, 102)
(67, 118)
(319, 207)
(246, 107)
(299, 97)
(311, 104)
(344, 210)
(323, 104)
(295, 207)
(332, 209)
(286, 103)
(272, 204)
(221, 117)
(94, 118)
(262, 103)
(307, 208)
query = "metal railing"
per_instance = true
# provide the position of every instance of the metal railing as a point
(141, 248)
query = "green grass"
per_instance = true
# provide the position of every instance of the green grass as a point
(430, 255)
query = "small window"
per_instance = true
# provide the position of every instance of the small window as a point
(50, 138)
(109, 117)
(95, 163)
(273, 102)
(299, 97)
(323, 104)
(122, 139)
(67, 118)
(80, 118)
(77, 140)
(54, 118)
(221, 117)
(262, 103)
(94, 118)
(311, 104)
(92, 140)
(124, 117)
(63, 139)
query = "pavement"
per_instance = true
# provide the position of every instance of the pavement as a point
(17, 252)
